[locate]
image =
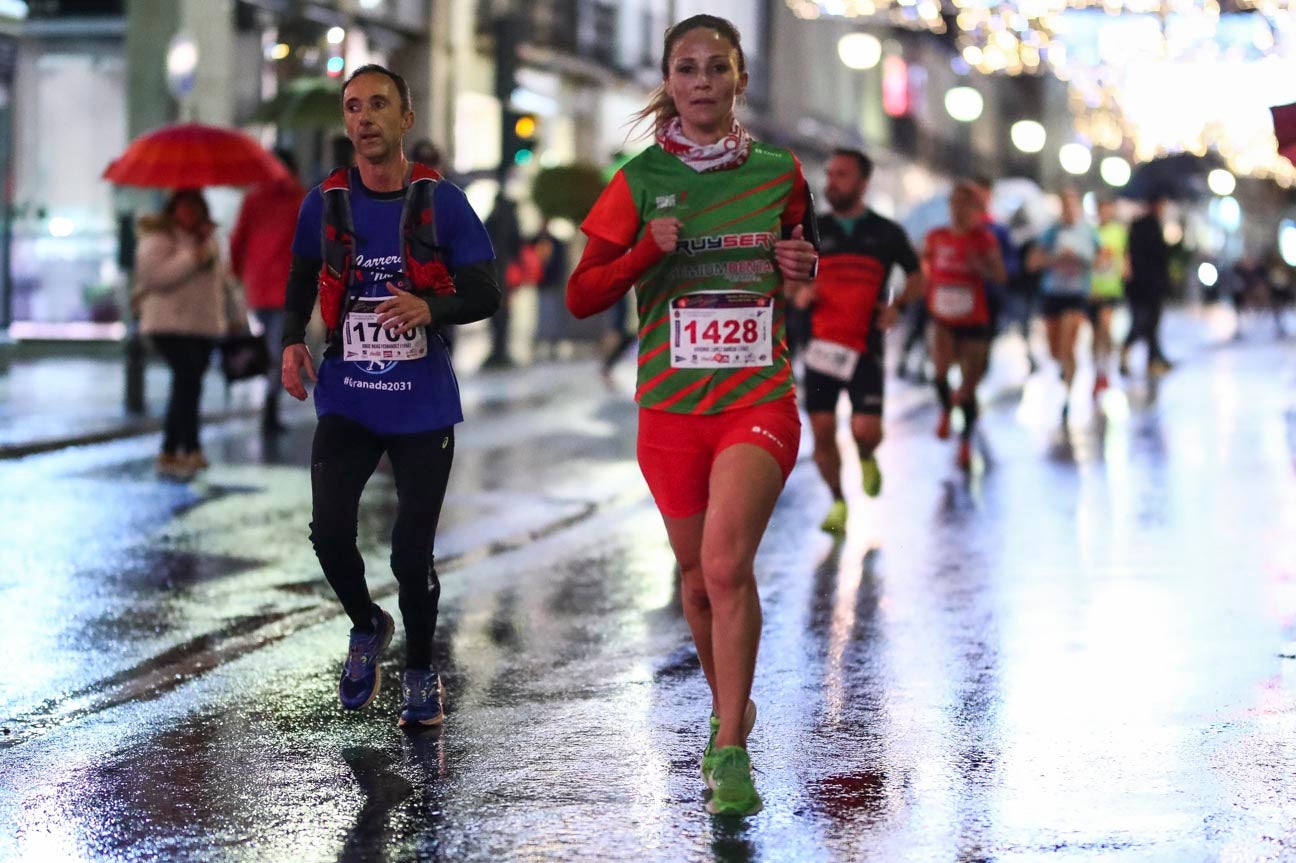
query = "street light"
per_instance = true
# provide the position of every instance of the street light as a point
(963, 104)
(336, 35)
(1028, 136)
(1221, 182)
(1287, 241)
(1207, 274)
(859, 50)
(1075, 158)
(1115, 171)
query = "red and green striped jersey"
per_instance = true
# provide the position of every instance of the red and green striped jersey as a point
(725, 258)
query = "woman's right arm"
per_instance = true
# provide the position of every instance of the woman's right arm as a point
(607, 270)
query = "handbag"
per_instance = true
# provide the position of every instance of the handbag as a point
(244, 353)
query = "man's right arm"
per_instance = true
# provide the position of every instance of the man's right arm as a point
(299, 299)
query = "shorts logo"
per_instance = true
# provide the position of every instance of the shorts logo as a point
(768, 434)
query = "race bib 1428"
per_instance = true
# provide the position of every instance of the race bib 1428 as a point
(722, 329)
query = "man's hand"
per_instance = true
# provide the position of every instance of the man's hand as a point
(403, 312)
(890, 315)
(296, 359)
(796, 256)
(801, 295)
(665, 233)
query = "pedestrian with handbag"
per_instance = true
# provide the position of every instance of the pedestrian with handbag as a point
(179, 292)
(260, 252)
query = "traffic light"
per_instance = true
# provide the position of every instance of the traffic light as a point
(520, 133)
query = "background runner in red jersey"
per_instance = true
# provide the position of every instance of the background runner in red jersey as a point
(957, 261)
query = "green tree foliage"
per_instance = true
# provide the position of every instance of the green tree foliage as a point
(567, 191)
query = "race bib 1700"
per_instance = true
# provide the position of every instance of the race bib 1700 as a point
(363, 338)
(722, 330)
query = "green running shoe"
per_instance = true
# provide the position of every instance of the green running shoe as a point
(708, 754)
(734, 792)
(835, 521)
(872, 476)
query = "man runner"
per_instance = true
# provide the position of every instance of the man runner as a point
(858, 249)
(393, 253)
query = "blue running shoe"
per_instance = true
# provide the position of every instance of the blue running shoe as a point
(422, 705)
(361, 676)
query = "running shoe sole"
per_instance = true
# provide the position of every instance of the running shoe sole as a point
(714, 810)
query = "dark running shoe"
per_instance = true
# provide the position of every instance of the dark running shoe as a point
(422, 702)
(361, 676)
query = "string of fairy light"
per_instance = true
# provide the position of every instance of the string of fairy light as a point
(1031, 37)
(1017, 36)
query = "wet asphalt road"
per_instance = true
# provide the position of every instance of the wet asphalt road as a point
(1076, 655)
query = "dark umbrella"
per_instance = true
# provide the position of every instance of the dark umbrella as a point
(191, 155)
(306, 103)
(1177, 177)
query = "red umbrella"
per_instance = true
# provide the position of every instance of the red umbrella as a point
(191, 155)
(1284, 120)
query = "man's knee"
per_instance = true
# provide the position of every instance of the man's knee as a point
(824, 428)
(330, 537)
(867, 431)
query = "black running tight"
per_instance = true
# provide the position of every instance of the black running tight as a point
(343, 457)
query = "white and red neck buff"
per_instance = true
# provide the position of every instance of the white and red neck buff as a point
(729, 152)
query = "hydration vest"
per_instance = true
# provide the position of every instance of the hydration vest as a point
(420, 250)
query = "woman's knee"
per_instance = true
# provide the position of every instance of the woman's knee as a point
(727, 572)
(693, 588)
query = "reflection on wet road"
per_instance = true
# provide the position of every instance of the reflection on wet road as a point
(1076, 655)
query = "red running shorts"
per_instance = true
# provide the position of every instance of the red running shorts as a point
(676, 451)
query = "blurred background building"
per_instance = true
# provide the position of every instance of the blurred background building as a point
(1050, 92)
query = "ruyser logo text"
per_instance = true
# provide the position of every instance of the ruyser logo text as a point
(725, 242)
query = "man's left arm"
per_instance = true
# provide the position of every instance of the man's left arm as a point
(476, 296)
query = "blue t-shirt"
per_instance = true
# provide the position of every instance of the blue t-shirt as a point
(1069, 278)
(391, 397)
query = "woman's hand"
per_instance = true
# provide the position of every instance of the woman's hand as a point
(665, 233)
(206, 250)
(796, 257)
(403, 312)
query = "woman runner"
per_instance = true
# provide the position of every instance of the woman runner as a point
(708, 226)
(957, 262)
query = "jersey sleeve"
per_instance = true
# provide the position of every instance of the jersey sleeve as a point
(615, 217)
(798, 203)
(459, 230)
(307, 241)
(904, 253)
